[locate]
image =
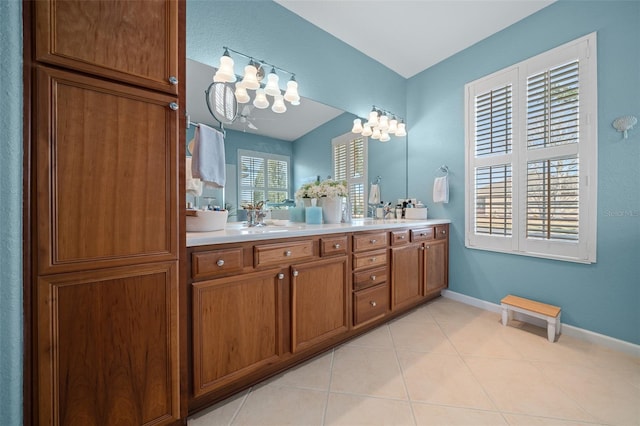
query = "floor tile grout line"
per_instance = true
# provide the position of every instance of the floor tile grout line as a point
(326, 400)
(237, 412)
(404, 383)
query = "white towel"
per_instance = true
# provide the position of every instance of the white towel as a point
(374, 194)
(194, 185)
(208, 156)
(441, 189)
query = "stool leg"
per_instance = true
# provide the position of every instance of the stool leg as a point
(505, 315)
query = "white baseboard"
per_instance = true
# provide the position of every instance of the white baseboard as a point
(569, 330)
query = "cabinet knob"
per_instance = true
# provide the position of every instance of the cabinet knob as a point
(295, 273)
(281, 276)
(401, 237)
(173, 80)
(287, 253)
(220, 262)
(373, 277)
(373, 259)
(373, 303)
(336, 246)
(421, 247)
(173, 106)
(373, 241)
(422, 234)
(444, 231)
(428, 247)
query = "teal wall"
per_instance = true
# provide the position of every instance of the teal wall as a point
(602, 297)
(11, 213)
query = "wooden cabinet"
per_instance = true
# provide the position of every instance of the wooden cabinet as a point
(436, 261)
(131, 41)
(406, 275)
(319, 302)
(237, 327)
(105, 308)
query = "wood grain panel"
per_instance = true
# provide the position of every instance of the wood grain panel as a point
(369, 259)
(108, 346)
(369, 240)
(216, 262)
(435, 266)
(131, 41)
(406, 270)
(106, 172)
(282, 253)
(319, 307)
(236, 327)
(370, 303)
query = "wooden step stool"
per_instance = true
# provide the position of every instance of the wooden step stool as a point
(540, 310)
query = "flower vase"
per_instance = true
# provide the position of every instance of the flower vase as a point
(331, 209)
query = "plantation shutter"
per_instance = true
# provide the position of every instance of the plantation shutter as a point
(262, 177)
(350, 165)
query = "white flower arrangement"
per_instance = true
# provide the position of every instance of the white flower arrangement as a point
(326, 188)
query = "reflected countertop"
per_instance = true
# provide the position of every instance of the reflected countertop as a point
(238, 231)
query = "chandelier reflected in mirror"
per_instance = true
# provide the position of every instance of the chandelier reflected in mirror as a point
(381, 124)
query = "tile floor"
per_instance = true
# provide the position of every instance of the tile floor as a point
(446, 363)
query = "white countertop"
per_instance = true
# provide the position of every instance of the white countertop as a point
(238, 231)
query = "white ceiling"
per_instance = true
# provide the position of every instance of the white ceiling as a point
(409, 36)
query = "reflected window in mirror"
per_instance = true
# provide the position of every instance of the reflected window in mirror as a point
(262, 177)
(350, 165)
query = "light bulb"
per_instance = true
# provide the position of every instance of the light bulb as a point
(401, 130)
(261, 101)
(373, 118)
(384, 137)
(383, 123)
(225, 72)
(376, 133)
(393, 125)
(291, 94)
(357, 126)
(241, 94)
(366, 130)
(272, 88)
(278, 105)
(250, 79)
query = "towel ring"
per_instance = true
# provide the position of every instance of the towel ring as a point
(444, 169)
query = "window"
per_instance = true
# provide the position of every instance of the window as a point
(350, 164)
(262, 177)
(531, 156)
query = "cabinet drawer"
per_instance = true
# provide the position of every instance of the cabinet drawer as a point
(370, 303)
(333, 245)
(399, 237)
(218, 262)
(279, 253)
(369, 241)
(369, 277)
(441, 232)
(370, 259)
(422, 234)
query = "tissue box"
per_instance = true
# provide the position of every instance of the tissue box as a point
(416, 213)
(206, 220)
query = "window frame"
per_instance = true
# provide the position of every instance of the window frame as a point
(583, 250)
(266, 188)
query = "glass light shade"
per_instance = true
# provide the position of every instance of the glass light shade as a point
(225, 72)
(383, 123)
(393, 125)
(296, 102)
(366, 130)
(291, 94)
(373, 118)
(376, 133)
(357, 126)
(401, 130)
(384, 137)
(272, 88)
(241, 94)
(278, 105)
(261, 99)
(250, 79)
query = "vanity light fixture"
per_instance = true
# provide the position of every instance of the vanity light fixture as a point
(381, 124)
(254, 72)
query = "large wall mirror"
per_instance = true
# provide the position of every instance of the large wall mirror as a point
(303, 133)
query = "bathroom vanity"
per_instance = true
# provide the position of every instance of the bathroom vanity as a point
(264, 299)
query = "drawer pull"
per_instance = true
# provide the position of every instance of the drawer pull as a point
(295, 273)
(401, 237)
(444, 231)
(336, 246)
(373, 303)
(173, 80)
(428, 247)
(373, 241)
(287, 253)
(281, 276)
(373, 277)
(421, 247)
(220, 262)
(422, 234)
(373, 259)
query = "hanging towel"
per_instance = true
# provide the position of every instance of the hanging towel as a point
(207, 162)
(374, 194)
(441, 189)
(194, 185)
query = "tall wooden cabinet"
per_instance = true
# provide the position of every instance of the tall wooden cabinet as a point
(106, 201)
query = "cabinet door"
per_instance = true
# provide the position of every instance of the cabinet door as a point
(131, 41)
(237, 327)
(107, 348)
(319, 302)
(106, 167)
(406, 275)
(435, 266)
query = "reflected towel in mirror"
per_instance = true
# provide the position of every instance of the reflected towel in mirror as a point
(374, 194)
(208, 156)
(194, 185)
